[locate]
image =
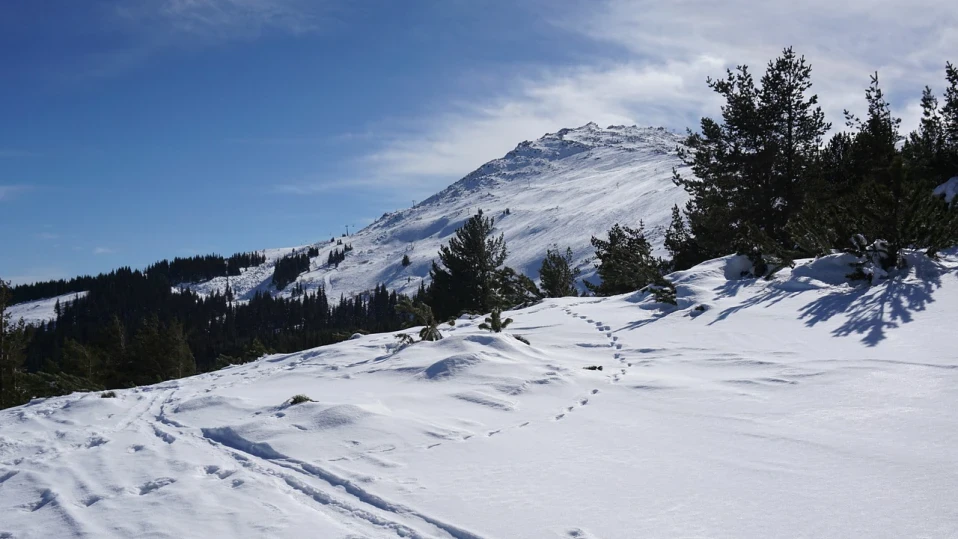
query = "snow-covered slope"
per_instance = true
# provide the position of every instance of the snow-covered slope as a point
(560, 189)
(797, 407)
(43, 310)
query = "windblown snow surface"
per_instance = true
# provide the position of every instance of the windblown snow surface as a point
(797, 407)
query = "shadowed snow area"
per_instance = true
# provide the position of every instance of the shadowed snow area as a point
(803, 406)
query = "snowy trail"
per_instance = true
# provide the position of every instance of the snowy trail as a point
(737, 414)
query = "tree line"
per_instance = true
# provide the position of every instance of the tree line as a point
(177, 271)
(766, 184)
(135, 328)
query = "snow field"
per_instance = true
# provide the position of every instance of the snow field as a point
(797, 407)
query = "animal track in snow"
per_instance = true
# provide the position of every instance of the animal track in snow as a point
(156, 484)
(166, 437)
(217, 471)
(46, 497)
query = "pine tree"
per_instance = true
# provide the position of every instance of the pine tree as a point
(422, 315)
(751, 171)
(12, 345)
(557, 274)
(464, 281)
(680, 244)
(146, 365)
(255, 350)
(405, 261)
(512, 289)
(179, 358)
(81, 360)
(494, 321)
(113, 344)
(949, 116)
(625, 262)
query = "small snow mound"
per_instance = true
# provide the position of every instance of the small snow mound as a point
(452, 365)
(340, 415)
(205, 402)
(500, 342)
(949, 190)
(737, 267)
(831, 270)
(485, 399)
(356, 336)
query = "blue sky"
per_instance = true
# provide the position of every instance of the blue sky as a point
(131, 132)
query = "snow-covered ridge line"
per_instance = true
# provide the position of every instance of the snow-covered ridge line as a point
(43, 310)
(563, 188)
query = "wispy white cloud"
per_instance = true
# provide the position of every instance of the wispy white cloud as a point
(47, 236)
(152, 26)
(320, 186)
(8, 192)
(221, 20)
(103, 251)
(657, 57)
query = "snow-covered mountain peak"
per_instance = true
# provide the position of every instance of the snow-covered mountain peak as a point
(554, 151)
(562, 188)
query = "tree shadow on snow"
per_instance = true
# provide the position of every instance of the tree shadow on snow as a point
(768, 297)
(869, 311)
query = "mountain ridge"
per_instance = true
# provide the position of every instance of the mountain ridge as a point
(561, 188)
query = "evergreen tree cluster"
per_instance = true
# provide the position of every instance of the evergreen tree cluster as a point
(133, 328)
(625, 262)
(190, 269)
(178, 271)
(12, 346)
(338, 255)
(765, 184)
(463, 279)
(288, 268)
(239, 261)
(48, 289)
(557, 275)
(470, 277)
